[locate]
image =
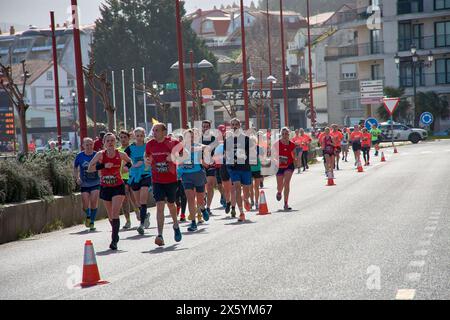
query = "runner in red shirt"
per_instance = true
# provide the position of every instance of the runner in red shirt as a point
(161, 153)
(356, 138)
(284, 158)
(112, 187)
(297, 139)
(305, 142)
(365, 145)
(328, 147)
(337, 140)
(98, 143)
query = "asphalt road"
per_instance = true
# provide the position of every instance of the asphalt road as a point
(381, 234)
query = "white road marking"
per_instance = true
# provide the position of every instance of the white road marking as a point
(405, 294)
(430, 228)
(413, 277)
(417, 264)
(421, 252)
(426, 152)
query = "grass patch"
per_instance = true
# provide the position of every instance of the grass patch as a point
(25, 235)
(438, 138)
(54, 226)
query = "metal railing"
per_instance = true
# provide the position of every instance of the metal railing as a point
(426, 80)
(424, 43)
(364, 49)
(412, 6)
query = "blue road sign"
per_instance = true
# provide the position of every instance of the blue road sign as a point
(426, 118)
(370, 122)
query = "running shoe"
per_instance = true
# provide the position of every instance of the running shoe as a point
(127, 225)
(200, 218)
(241, 217)
(178, 235)
(233, 212)
(91, 227)
(147, 221)
(87, 222)
(247, 206)
(113, 245)
(228, 208)
(278, 196)
(182, 217)
(193, 226)
(159, 241)
(209, 211)
(140, 229)
(287, 208)
(205, 214)
(223, 201)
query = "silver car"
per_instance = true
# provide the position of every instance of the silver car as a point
(402, 133)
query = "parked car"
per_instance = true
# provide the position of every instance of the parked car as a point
(401, 133)
(66, 146)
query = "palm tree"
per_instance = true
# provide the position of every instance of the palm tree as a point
(403, 107)
(434, 103)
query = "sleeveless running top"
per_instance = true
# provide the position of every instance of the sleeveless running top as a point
(111, 177)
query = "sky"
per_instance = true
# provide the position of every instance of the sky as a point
(36, 12)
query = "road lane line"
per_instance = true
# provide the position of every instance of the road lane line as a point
(405, 294)
(421, 252)
(413, 277)
(426, 152)
(417, 264)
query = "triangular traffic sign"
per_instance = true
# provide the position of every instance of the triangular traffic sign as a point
(390, 104)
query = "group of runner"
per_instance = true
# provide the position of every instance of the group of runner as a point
(183, 171)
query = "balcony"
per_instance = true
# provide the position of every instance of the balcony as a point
(426, 80)
(349, 85)
(425, 43)
(359, 50)
(412, 6)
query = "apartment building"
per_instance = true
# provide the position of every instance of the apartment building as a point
(371, 53)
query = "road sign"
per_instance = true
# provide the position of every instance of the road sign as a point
(391, 104)
(370, 122)
(370, 91)
(426, 118)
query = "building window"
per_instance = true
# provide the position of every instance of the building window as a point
(409, 34)
(409, 6)
(442, 34)
(441, 4)
(48, 94)
(375, 42)
(348, 71)
(442, 71)
(49, 76)
(70, 81)
(376, 72)
(406, 75)
(208, 26)
(351, 104)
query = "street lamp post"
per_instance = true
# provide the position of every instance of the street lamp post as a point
(244, 66)
(415, 62)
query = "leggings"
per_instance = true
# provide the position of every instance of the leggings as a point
(304, 158)
(366, 154)
(181, 199)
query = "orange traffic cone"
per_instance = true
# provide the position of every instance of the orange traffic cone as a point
(330, 180)
(383, 159)
(91, 276)
(360, 167)
(263, 209)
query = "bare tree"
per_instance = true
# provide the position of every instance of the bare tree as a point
(102, 87)
(17, 97)
(154, 94)
(229, 102)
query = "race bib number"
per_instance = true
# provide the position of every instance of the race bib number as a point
(283, 160)
(162, 167)
(109, 180)
(188, 166)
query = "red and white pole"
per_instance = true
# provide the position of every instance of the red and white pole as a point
(182, 86)
(79, 70)
(283, 62)
(244, 67)
(311, 90)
